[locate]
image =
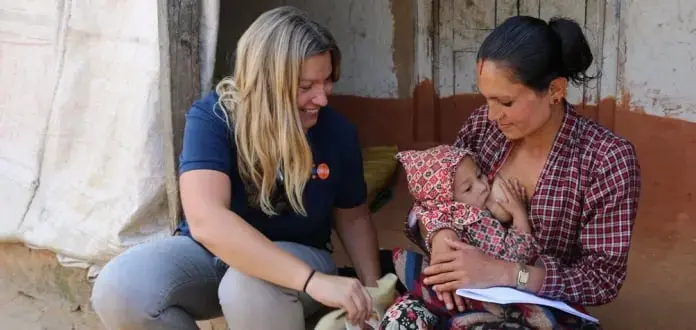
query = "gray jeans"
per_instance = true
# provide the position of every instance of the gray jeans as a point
(171, 283)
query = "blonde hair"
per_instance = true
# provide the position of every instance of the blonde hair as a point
(260, 103)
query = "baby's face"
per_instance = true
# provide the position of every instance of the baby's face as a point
(470, 185)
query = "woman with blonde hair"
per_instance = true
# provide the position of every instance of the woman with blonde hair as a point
(266, 169)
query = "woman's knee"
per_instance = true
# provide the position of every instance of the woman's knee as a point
(120, 296)
(252, 303)
(238, 288)
(134, 288)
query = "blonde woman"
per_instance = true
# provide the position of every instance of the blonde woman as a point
(266, 168)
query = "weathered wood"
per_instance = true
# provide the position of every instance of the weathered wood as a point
(465, 76)
(444, 66)
(504, 9)
(179, 26)
(474, 14)
(529, 8)
(594, 30)
(576, 11)
(184, 41)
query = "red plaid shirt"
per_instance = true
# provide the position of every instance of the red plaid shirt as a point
(584, 206)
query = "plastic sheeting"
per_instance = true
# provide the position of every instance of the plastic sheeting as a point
(81, 140)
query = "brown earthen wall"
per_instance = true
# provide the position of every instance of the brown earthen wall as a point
(669, 186)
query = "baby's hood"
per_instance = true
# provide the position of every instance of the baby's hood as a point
(430, 172)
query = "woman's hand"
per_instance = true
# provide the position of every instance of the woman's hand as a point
(464, 267)
(440, 246)
(342, 292)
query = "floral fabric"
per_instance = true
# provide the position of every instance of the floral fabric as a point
(430, 176)
(420, 309)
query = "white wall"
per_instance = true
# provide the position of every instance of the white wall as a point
(660, 68)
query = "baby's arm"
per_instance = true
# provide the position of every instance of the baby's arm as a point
(480, 229)
(492, 237)
(424, 221)
(515, 204)
(515, 244)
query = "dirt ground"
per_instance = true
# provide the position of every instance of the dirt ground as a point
(23, 311)
(36, 293)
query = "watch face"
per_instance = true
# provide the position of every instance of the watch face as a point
(522, 277)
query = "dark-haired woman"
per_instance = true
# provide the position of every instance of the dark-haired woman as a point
(583, 180)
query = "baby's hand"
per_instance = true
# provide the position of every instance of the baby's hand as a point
(515, 203)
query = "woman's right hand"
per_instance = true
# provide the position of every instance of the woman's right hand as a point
(342, 292)
(439, 245)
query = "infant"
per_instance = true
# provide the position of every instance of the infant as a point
(505, 199)
(450, 192)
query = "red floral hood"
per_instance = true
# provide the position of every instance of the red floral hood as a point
(430, 172)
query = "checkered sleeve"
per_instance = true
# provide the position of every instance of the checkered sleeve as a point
(493, 238)
(609, 214)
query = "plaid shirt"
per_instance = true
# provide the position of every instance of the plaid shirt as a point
(584, 206)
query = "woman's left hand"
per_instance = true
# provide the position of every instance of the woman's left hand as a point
(464, 267)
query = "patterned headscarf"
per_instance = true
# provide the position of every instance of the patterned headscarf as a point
(430, 176)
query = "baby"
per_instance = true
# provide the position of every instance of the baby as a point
(451, 192)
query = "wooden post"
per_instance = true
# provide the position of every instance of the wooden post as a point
(184, 21)
(179, 32)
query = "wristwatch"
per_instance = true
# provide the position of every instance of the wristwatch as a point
(522, 277)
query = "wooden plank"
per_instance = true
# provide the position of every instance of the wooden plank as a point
(469, 40)
(465, 72)
(424, 92)
(613, 52)
(612, 55)
(569, 9)
(184, 41)
(476, 14)
(505, 9)
(594, 29)
(181, 83)
(444, 48)
(529, 8)
(424, 41)
(472, 21)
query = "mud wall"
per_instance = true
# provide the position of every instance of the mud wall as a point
(646, 54)
(407, 80)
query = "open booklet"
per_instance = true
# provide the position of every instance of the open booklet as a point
(505, 295)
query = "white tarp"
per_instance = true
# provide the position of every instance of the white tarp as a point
(81, 136)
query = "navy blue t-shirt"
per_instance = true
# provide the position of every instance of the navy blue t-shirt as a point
(209, 144)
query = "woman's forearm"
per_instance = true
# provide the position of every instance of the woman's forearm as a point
(359, 237)
(245, 249)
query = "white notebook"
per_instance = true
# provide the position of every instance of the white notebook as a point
(505, 295)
